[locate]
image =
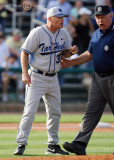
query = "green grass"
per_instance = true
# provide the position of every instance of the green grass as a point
(74, 117)
(100, 143)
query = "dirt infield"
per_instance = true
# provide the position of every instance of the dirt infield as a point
(63, 127)
(98, 157)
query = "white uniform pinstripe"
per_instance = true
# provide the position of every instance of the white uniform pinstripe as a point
(44, 49)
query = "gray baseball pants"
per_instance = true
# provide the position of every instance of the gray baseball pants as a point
(47, 88)
(100, 93)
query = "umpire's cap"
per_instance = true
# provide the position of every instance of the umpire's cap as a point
(102, 10)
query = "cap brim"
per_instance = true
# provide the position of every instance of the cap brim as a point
(62, 15)
(100, 14)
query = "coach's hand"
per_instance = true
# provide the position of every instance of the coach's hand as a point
(26, 79)
(74, 49)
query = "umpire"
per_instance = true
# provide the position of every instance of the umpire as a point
(101, 50)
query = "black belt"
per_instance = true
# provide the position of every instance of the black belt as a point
(46, 73)
(105, 74)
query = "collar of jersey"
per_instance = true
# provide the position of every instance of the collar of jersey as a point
(51, 33)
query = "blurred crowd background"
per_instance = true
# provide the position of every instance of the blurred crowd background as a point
(18, 17)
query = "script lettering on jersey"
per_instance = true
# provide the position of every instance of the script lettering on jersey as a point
(55, 47)
(44, 48)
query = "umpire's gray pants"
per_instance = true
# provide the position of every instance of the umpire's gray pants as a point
(48, 87)
(100, 93)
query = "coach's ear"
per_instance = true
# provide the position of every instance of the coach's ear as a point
(49, 18)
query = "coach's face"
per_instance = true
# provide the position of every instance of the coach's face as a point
(104, 21)
(57, 22)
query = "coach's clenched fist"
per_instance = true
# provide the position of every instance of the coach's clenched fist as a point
(74, 49)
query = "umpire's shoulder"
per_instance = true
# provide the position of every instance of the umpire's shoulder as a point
(96, 32)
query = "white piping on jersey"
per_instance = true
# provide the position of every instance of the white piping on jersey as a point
(51, 48)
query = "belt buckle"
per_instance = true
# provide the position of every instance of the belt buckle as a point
(41, 72)
(50, 74)
(44, 73)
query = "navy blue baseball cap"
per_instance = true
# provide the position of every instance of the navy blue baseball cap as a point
(102, 10)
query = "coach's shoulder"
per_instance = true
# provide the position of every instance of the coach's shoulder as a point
(33, 33)
(35, 29)
(63, 31)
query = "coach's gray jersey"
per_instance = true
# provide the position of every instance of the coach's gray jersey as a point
(44, 48)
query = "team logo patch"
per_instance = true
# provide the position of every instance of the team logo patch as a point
(60, 10)
(106, 48)
(99, 9)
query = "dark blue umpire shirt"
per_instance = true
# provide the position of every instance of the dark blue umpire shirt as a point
(101, 47)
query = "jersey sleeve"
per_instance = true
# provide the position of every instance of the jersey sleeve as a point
(31, 43)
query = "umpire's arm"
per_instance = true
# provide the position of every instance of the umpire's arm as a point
(83, 58)
(24, 64)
